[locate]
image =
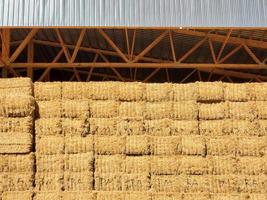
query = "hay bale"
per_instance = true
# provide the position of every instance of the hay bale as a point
(48, 127)
(196, 196)
(22, 163)
(110, 195)
(165, 145)
(158, 127)
(158, 110)
(208, 111)
(16, 124)
(193, 145)
(103, 126)
(251, 184)
(215, 127)
(110, 144)
(195, 184)
(137, 164)
(238, 196)
(167, 196)
(75, 181)
(194, 165)
(128, 110)
(236, 92)
(135, 182)
(165, 165)
(220, 165)
(137, 145)
(242, 110)
(75, 109)
(185, 110)
(47, 91)
(137, 195)
(158, 92)
(251, 146)
(17, 195)
(109, 164)
(78, 144)
(15, 142)
(48, 195)
(47, 181)
(108, 181)
(75, 127)
(49, 163)
(210, 91)
(16, 106)
(79, 195)
(104, 90)
(263, 127)
(17, 181)
(49, 109)
(184, 127)
(80, 162)
(76, 90)
(223, 184)
(252, 165)
(102, 109)
(49, 145)
(134, 126)
(258, 91)
(131, 91)
(261, 109)
(166, 183)
(17, 91)
(221, 146)
(185, 92)
(17, 82)
(246, 128)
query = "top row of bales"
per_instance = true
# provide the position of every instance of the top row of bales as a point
(151, 92)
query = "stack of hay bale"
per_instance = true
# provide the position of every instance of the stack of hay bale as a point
(16, 124)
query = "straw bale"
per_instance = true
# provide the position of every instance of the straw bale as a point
(16, 106)
(165, 165)
(167, 196)
(210, 91)
(109, 163)
(137, 195)
(17, 82)
(79, 162)
(48, 195)
(15, 142)
(16, 91)
(79, 195)
(252, 165)
(196, 196)
(258, 91)
(49, 109)
(238, 196)
(48, 127)
(193, 145)
(47, 181)
(134, 126)
(75, 109)
(215, 127)
(47, 91)
(251, 146)
(50, 145)
(78, 144)
(220, 165)
(242, 110)
(102, 109)
(194, 165)
(135, 182)
(128, 110)
(104, 90)
(158, 110)
(221, 146)
(166, 183)
(49, 163)
(184, 127)
(17, 195)
(251, 183)
(131, 91)
(158, 127)
(75, 181)
(223, 184)
(76, 90)
(17, 181)
(158, 92)
(108, 181)
(19, 163)
(194, 184)
(137, 145)
(103, 126)
(209, 111)
(137, 164)
(75, 127)
(110, 195)
(185, 110)
(236, 92)
(261, 109)
(110, 144)
(246, 128)
(185, 92)
(263, 128)
(165, 145)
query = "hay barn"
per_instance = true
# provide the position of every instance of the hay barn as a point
(133, 100)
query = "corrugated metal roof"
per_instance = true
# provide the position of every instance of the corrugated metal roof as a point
(134, 13)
